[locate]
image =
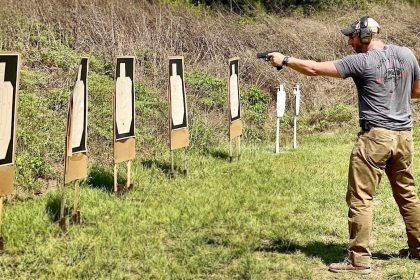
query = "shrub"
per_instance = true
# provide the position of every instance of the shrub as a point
(212, 91)
(337, 115)
(255, 102)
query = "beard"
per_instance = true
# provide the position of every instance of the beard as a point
(358, 49)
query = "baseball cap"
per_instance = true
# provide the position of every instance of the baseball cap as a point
(355, 27)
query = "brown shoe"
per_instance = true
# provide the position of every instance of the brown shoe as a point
(347, 266)
(407, 253)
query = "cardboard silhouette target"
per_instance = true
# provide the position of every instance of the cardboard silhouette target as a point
(124, 118)
(178, 117)
(6, 111)
(78, 127)
(76, 159)
(9, 85)
(179, 136)
(76, 147)
(234, 92)
(234, 104)
(177, 97)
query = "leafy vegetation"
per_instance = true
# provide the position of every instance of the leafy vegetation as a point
(337, 115)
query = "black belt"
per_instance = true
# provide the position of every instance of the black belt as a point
(365, 125)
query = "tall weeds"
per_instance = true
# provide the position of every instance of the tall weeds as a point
(207, 38)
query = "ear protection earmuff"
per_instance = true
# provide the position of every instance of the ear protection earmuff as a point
(365, 34)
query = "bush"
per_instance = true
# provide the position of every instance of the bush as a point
(255, 103)
(211, 91)
(337, 115)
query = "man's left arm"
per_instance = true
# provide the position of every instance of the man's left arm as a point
(306, 67)
(415, 93)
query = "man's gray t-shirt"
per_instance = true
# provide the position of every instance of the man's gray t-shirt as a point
(384, 79)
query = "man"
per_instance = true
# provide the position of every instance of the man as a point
(386, 76)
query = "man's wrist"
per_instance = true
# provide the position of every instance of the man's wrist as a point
(285, 61)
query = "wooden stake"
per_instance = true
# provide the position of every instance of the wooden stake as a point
(115, 178)
(1, 215)
(129, 186)
(239, 147)
(62, 221)
(230, 150)
(76, 213)
(76, 196)
(185, 162)
(172, 165)
(1, 226)
(128, 173)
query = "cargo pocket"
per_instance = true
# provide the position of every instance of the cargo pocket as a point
(407, 151)
(378, 150)
(358, 143)
(410, 145)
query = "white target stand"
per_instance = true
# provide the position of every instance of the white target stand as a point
(296, 95)
(280, 108)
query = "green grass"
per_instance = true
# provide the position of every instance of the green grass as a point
(264, 217)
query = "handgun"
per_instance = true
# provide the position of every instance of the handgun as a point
(263, 55)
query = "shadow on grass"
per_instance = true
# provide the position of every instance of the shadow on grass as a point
(163, 166)
(219, 154)
(383, 257)
(53, 205)
(327, 252)
(101, 178)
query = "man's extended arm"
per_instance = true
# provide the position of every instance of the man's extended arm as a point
(415, 93)
(306, 67)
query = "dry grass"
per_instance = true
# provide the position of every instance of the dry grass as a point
(208, 38)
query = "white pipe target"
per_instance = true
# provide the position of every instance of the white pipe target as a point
(281, 101)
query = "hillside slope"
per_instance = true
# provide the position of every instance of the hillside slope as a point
(53, 35)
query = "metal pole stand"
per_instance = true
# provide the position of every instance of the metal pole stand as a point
(277, 147)
(296, 93)
(294, 132)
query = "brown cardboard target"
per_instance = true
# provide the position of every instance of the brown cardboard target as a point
(124, 110)
(178, 117)
(9, 84)
(76, 141)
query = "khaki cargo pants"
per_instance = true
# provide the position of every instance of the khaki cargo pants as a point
(374, 152)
